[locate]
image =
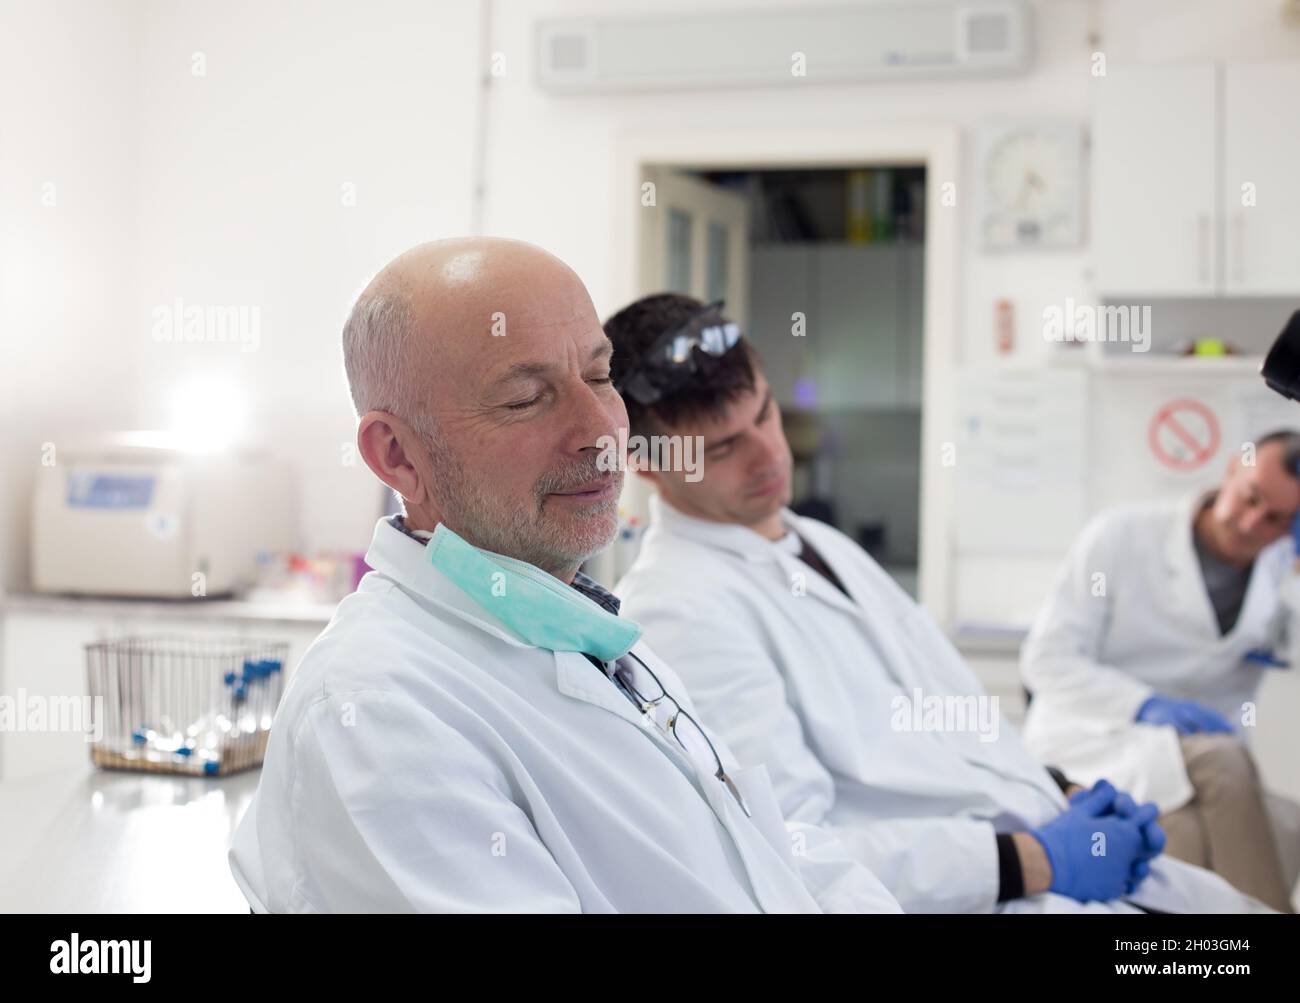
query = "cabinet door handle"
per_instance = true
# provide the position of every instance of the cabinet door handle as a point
(1203, 247)
(1238, 246)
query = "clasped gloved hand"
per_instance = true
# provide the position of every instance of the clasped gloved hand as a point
(1101, 846)
(1187, 716)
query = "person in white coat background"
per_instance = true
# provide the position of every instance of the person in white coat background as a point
(806, 656)
(477, 729)
(1145, 661)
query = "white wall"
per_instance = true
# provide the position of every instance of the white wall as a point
(242, 176)
(565, 200)
(1120, 465)
(225, 189)
(68, 146)
(222, 189)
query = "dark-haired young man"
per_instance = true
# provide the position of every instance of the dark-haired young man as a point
(811, 661)
(1146, 659)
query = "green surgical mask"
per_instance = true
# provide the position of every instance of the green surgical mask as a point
(538, 607)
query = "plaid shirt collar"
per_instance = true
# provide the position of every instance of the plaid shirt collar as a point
(583, 584)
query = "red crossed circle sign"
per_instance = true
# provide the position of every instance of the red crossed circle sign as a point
(1184, 434)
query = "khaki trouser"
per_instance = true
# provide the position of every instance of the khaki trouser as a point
(1225, 826)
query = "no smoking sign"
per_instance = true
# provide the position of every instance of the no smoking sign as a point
(1184, 434)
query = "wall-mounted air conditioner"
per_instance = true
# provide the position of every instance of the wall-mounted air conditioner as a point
(895, 39)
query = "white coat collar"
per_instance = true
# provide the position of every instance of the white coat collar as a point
(404, 560)
(755, 547)
(1187, 583)
(1180, 552)
(727, 536)
(395, 555)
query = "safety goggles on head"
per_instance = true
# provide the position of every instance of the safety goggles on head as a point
(670, 361)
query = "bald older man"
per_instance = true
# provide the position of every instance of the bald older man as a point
(477, 729)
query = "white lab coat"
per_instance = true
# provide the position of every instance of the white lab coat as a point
(424, 758)
(1092, 659)
(808, 683)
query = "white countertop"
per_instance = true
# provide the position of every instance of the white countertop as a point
(101, 841)
(283, 611)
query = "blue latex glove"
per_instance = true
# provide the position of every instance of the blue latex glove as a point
(1153, 836)
(1187, 716)
(1079, 869)
(1144, 815)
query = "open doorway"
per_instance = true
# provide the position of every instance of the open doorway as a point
(697, 155)
(824, 268)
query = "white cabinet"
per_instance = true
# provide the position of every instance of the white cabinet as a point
(863, 307)
(780, 286)
(1261, 155)
(1172, 148)
(856, 335)
(1153, 143)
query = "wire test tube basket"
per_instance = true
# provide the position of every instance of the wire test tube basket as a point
(181, 705)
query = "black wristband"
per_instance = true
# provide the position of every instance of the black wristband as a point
(1062, 781)
(1011, 877)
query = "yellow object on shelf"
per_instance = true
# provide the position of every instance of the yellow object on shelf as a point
(1209, 346)
(858, 223)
